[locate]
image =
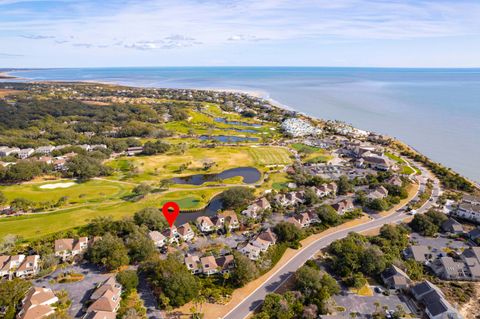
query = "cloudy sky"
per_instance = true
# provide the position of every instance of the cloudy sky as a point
(72, 33)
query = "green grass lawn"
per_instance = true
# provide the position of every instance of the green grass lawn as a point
(311, 154)
(270, 155)
(91, 191)
(34, 226)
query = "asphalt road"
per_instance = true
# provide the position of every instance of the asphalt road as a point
(255, 299)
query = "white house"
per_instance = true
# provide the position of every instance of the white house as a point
(205, 225)
(251, 251)
(158, 239)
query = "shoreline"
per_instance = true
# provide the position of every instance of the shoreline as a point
(6, 76)
(253, 93)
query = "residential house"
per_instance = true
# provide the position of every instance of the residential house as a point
(303, 219)
(434, 301)
(325, 189)
(471, 199)
(378, 193)
(314, 219)
(29, 267)
(209, 265)
(37, 304)
(85, 147)
(225, 263)
(205, 224)
(469, 210)
(46, 159)
(185, 232)
(132, 151)
(395, 180)
(66, 248)
(59, 164)
(257, 207)
(420, 253)
(171, 235)
(25, 153)
(449, 269)
(9, 265)
(230, 219)
(249, 250)
(268, 235)
(395, 278)
(193, 264)
(7, 151)
(158, 239)
(452, 226)
(344, 206)
(45, 150)
(293, 220)
(381, 163)
(105, 299)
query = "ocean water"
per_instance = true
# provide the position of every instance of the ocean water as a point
(436, 111)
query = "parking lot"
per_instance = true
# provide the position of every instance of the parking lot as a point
(366, 305)
(438, 243)
(78, 292)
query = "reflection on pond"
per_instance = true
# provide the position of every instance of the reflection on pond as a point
(222, 120)
(228, 139)
(211, 209)
(249, 174)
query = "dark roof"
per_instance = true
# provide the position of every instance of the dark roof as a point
(451, 224)
(421, 288)
(474, 233)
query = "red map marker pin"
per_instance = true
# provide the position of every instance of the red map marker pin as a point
(170, 215)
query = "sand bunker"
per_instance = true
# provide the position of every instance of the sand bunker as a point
(57, 185)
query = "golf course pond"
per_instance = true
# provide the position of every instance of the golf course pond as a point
(211, 209)
(222, 120)
(228, 139)
(249, 175)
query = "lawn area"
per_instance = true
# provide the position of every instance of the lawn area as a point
(270, 155)
(365, 291)
(91, 191)
(311, 154)
(276, 181)
(158, 167)
(37, 225)
(404, 168)
(394, 158)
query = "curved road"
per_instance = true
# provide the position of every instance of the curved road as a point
(255, 299)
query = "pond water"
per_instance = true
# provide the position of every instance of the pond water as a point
(228, 138)
(211, 209)
(249, 174)
(222, 120)
(244, 130)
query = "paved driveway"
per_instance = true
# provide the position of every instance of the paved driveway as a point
(79, 292)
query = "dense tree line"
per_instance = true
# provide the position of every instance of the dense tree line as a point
(237, 197)
(312, 288)
(449, 178)
(428, 224)
(356, 255)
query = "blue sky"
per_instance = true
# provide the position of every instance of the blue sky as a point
(383, 33)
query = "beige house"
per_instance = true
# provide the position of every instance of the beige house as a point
(185, 232)
(67, 248)
(106, 299)
(37, 304)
